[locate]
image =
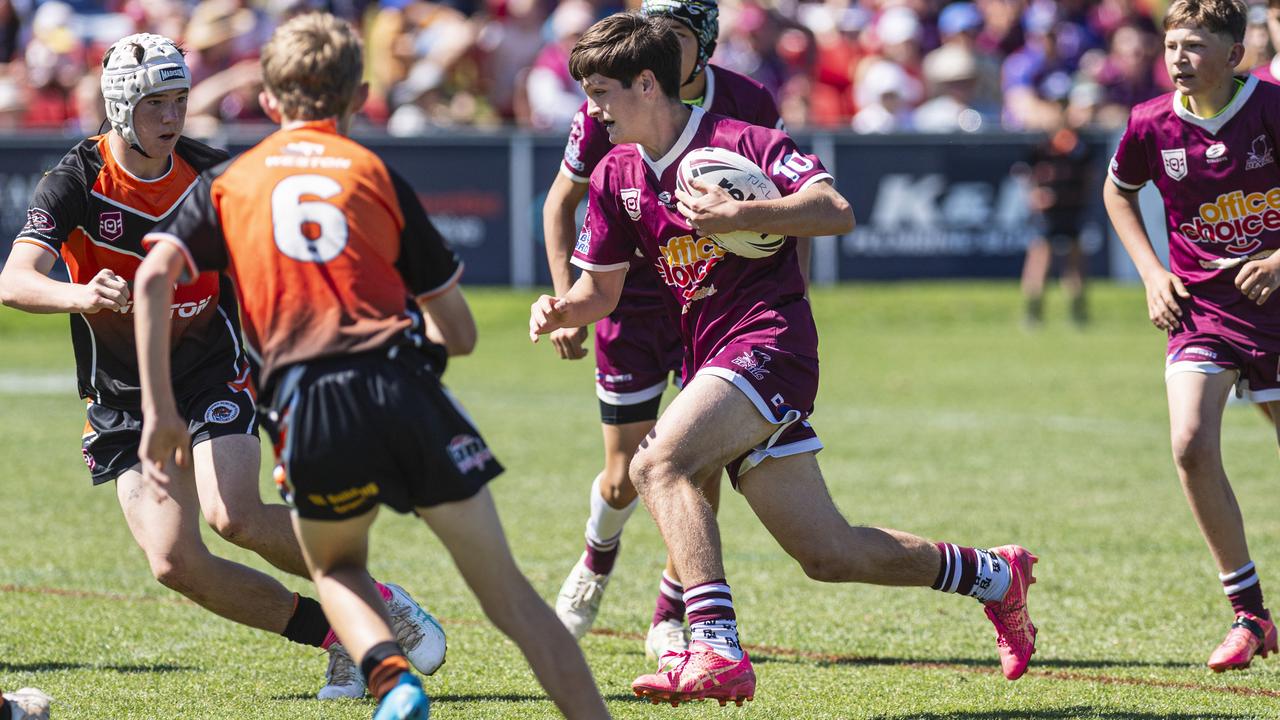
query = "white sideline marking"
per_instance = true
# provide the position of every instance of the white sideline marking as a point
(37, 383)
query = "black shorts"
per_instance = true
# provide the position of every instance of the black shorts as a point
(112, 436)
(357, 430)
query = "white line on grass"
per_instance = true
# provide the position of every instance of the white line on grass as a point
(37, 383)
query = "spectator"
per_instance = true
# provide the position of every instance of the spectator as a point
(54, 61)
(1041, 72)
(827, 99)
(554, 96)
(1270, 71)
(959, 25)
(1128, 74)
(225, 76)
(10, 29)
(886, 94)
(749, 45)
(508, 43)
(952, 76)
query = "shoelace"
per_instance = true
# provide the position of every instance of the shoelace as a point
(408, 633)
(586, 593)
(342, 669)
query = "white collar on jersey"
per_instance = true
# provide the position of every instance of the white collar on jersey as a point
(660, 166)
(1214, 124)
(709, 95)
(1275, 67)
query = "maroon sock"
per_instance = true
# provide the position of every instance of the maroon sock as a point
(1244, 590)
(600, 558)
(670, 605)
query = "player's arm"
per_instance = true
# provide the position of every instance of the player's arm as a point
(25, 285)
(592, 297)
(449, 321)
(817, 209)
(559, 213)
(164, 434)
(56, 205)
(1163, 287)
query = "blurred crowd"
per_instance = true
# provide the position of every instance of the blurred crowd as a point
(870, 65)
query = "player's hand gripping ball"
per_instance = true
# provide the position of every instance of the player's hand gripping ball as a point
(742, 180)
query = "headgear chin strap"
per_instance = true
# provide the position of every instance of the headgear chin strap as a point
(135, 67)
(700, 16)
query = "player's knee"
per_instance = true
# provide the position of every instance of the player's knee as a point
(649, 471)
(1194, 451)
(825, 564)
(174, 572)
(234, 527)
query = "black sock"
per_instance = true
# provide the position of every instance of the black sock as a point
(382, 666)
(308, 625)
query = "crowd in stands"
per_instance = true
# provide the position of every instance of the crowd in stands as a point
(870, 65)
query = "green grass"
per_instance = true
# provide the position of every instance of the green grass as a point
(940, 416)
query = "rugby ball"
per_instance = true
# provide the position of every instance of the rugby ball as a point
(743, 180)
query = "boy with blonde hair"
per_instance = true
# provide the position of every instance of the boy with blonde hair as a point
(351, 304)
(1209, 147)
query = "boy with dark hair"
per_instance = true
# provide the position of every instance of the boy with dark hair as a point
(751, 363)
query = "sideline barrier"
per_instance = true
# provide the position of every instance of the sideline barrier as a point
(927, 206)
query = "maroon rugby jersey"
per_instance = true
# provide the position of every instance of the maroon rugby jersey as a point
(631, 207)
(727, 93)
(1221, 188)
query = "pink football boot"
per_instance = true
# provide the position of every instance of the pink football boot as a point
(698, 674)
(1249, 635)
(1015, 635)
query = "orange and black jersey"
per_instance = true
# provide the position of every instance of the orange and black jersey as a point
(327, 246)
(92, 212)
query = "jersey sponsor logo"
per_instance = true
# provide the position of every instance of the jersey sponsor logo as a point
(1235, 220)
(684, 263)
(631, 201)
(583, 245)
(40, 222)
(184, 310)
(754, 361)
(308, 149)
(469, 453)
(1260, 154)
(665, 198)
(111, 225)
(222, 412)
(1216, 152)
(573, 148)
(1175, 163)
(1195, 353)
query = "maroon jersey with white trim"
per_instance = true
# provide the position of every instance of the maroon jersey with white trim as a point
(631, 207)
(1221, 188)
(728, 93)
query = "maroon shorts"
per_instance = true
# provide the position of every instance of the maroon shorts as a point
(1207, 353)
(635, 356)
(781, 385)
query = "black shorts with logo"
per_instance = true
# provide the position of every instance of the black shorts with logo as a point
(353, 431)
(112, 436)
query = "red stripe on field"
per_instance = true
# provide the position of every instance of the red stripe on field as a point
(830, 658)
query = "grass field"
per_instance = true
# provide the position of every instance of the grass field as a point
(940, 416)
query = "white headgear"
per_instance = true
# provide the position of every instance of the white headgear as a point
(137, 66)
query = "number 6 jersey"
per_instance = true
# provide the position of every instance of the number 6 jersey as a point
(325, 243)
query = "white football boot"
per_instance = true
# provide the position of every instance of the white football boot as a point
(418, 633)
(579, 600)
(342, 679)
(670, 635)
(28, 704)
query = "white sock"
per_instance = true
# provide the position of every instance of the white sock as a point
(720, 635)
(994, 577)
(605, 523)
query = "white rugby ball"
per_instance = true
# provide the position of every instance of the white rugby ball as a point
(743, 180)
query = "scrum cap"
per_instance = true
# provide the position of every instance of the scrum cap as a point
(135, 67)
(700, 16)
